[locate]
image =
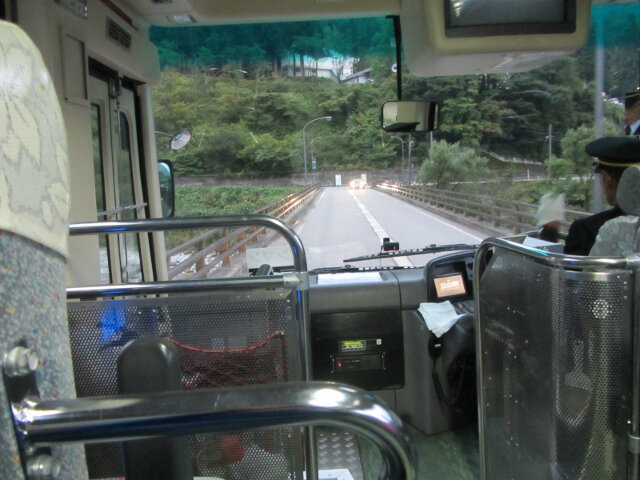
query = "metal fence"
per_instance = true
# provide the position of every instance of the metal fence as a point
(215, 247)
(501, 216)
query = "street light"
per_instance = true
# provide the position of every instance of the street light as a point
(304, 142)
(402, 164)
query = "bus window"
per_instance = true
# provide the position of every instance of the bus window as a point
(98, 169)
(130, 250)
(308, 111)
(117, 179)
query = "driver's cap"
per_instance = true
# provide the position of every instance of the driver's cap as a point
(615, 151)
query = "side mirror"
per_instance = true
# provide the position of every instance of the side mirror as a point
(178, 139)
(167, 188)
(409, 116)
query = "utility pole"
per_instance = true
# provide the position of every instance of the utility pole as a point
(411, 144)
(402, 164)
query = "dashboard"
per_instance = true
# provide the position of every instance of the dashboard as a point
(367, 331)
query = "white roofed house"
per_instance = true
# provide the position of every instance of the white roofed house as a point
(361, 76)
(338, 69)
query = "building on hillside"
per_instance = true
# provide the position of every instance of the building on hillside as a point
(363, 76)
(337, 69)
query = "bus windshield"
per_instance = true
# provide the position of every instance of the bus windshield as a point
(276, 109)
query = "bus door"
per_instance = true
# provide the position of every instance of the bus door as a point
(125, 257)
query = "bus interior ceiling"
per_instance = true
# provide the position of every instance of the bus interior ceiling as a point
(495, 395)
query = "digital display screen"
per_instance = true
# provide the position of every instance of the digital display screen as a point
(504, 17)
(353, 345)
(450, 286)
(492, 12)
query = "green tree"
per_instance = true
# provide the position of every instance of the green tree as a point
(449, 164)
(558, 168)
(267, 156)
(215, 151)
(201, 89)
(573, 145)
(533, 101)
(579, 163)
(573, 148)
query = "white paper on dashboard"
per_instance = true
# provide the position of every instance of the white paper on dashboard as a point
(439, 317)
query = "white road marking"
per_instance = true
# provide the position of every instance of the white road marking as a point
(379, 231)
(444, 222)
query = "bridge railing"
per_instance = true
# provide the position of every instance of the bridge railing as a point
(215, 247)
(501, 216)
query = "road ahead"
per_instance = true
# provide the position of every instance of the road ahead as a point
(343, 223)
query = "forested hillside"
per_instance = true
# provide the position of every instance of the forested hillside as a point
(225, 84)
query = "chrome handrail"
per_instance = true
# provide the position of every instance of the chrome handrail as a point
(557, 259)
(186, 286)
(183, 223)
(226, 409)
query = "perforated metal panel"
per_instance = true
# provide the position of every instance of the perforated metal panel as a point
(235, 338)
(555, 359)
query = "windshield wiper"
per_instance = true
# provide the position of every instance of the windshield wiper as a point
(433, 248)
(343, 268)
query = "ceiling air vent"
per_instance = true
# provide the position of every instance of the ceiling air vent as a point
(118, 34)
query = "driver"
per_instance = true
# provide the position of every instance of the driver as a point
(613, 155)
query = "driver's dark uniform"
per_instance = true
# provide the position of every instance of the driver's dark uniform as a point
(582, 233)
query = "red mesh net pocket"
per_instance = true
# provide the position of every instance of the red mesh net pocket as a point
(262, 362)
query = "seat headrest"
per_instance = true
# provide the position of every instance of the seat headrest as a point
(628, 193)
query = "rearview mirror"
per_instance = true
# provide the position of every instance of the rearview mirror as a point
(409, 116)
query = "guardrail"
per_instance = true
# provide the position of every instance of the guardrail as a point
(501, 216)
(231, 241)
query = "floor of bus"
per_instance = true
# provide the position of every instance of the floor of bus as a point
(445, 456)
(451, 455)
